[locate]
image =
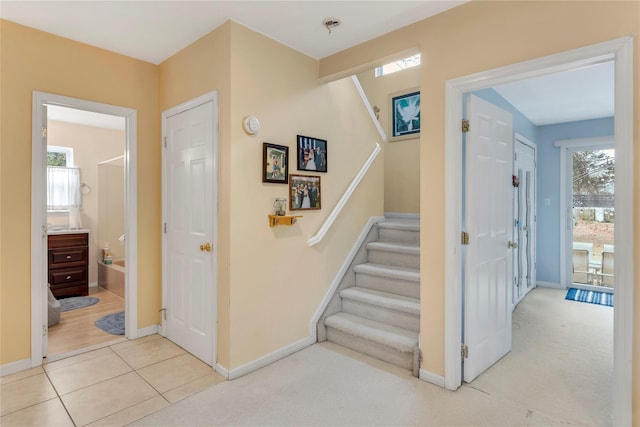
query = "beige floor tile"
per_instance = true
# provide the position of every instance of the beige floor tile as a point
(193, 387)
(49, 413)
(133, 413)
(21, 375)
(174, 372)
(87, 372)
(26, 392)
(107, 398)
(149, 351)
(138, 341)
(72, 360)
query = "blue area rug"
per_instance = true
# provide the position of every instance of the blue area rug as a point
(112, 323)
(593, 297)
(74, 303)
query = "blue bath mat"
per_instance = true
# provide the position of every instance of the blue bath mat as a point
(593, 297)
(74, 303)
(112, 323)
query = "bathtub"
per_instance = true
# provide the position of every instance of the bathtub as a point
(111, 277)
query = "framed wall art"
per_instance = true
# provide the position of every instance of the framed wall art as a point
(304, 192)
(312, 154)
(275, 163)
(405, 115)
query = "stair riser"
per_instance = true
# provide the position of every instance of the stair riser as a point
(399, 236)
(361, 345)
(386, 284)
(382, 314)
(394, 259)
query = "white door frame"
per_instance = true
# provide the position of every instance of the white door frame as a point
(567, 147)
(621, 52)
(208, 97)
(39, 215)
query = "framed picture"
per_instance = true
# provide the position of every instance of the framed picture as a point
(405, 115)
(275, 163)
(312, 154)
(304, 192)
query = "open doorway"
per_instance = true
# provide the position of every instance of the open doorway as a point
(69, 222)
(620, 52)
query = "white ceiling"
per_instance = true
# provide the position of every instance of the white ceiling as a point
(154, 30)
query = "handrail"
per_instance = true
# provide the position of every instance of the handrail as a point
(367, 105)
(345, 197)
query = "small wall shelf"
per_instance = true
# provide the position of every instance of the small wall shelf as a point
(275, 220)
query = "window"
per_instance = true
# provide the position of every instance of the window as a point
(403, 64)
(63, 181)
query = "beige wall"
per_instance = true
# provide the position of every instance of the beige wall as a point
(269, 281)
(91, 146)
(481, 36)
(34, 60)
(401, 158)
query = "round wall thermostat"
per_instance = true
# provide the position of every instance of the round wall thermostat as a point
(251, 125)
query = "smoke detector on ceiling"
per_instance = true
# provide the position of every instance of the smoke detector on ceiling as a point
(331, 23)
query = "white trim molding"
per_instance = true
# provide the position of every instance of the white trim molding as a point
(13, 367)
(552, 285)
(39, 220)
(317, 238)
(432, 378)
(621, 52)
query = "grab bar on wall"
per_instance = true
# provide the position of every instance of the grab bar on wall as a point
(345, 198)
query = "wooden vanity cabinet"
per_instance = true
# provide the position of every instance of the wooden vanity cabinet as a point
(68, 261)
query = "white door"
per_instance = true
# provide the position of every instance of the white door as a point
(524, 208)
(190, 215)
(488, 222)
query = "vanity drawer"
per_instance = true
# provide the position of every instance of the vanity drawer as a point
(67, 240)
(67, 275)
(64, 257)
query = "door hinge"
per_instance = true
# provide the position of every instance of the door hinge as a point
(465, 125)
(44, 133)
(164, 313)
(44, 330)
(165, 142)
(464, 239)
(464, 351)
(165, 228)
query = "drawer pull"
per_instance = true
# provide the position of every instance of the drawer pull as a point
(68, 256)
(68, 277)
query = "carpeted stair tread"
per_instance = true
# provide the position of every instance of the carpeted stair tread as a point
(382, 299)
(390, 336)
(409, 274)
(399, 224)
(400, 248)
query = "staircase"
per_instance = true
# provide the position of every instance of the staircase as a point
(376, 310)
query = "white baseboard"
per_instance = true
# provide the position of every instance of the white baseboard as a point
(402, 215)
(549, 285)
(270, 358)
(93, 284)
(149, 330)
(13, 367)
(222, 370)
(432, 378)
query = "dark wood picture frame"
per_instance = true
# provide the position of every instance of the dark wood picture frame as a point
(304, 192)
(275, 163)
(312, 154)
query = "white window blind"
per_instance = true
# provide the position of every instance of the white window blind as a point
(63, 188)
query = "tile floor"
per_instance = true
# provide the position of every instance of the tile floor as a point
(112, 386)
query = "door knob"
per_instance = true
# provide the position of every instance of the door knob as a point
(206, 247)
(512, 245)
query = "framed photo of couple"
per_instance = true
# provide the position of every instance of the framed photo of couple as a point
(304, 192)
(312, 154)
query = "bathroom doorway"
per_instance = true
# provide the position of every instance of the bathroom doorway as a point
(83, 207)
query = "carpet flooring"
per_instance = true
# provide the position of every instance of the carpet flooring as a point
(74, 303)
(538, 383)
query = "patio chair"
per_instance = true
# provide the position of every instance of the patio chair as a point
(581, 272)
(607, 269)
